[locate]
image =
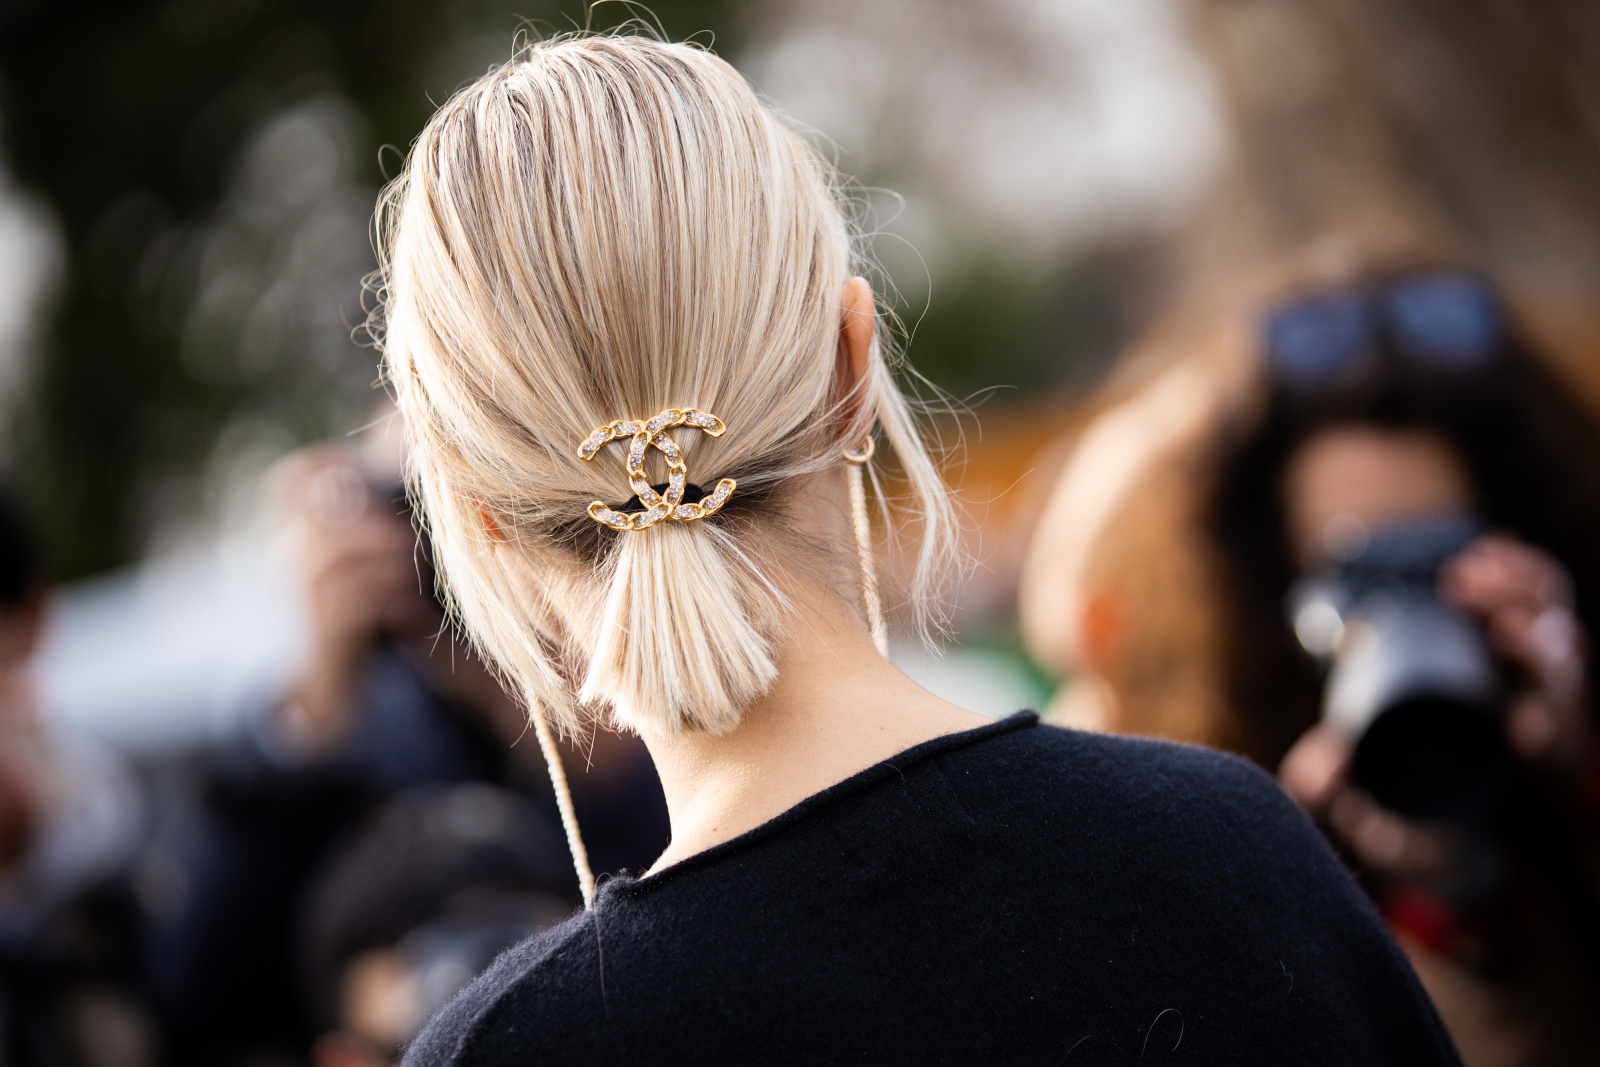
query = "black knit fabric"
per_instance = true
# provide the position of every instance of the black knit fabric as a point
(1016, 894)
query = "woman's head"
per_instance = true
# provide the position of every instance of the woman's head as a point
(1423, 363)
(604, 228)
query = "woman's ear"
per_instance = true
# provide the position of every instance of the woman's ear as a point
(491, 525)
(858, 326)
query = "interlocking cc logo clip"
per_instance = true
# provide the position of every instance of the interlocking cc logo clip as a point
(658, 506)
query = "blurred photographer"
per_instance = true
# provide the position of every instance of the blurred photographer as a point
(1413, 502)
(1390, 604)
(1418, 500)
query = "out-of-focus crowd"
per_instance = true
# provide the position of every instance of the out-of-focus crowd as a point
(1349, 529)
(315, 882)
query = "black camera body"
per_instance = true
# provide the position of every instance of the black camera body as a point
(1411, 681)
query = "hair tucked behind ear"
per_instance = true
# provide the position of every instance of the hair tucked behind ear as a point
(603, 228)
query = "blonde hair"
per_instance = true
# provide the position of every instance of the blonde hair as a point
(605, 227)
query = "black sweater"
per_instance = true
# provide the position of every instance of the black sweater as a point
(1016, 894)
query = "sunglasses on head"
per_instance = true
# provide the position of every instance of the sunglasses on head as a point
(1443, 320)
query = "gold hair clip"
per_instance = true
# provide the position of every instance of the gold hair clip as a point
(658, 506)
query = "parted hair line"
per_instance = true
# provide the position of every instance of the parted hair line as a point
(605, 227)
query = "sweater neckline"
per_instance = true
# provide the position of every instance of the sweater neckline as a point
(625, 884)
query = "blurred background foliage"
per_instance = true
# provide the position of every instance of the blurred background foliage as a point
(188, 187)
(210, 168)
(199, 175)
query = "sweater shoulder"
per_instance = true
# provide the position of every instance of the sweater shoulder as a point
(471, 1028)
(1173, 794)
(1136, 770)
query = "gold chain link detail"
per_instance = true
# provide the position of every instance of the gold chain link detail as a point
(643, 436)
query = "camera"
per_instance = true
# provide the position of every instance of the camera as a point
(1411, 682)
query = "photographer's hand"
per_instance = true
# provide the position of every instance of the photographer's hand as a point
(1524, 599)
(361, 583)
(1315, 773)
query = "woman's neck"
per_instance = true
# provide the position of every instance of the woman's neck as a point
(838, 707)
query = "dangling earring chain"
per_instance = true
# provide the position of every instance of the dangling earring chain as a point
(569, 818)
(869, 572)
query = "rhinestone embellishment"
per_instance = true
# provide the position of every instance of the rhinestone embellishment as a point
(643, 436)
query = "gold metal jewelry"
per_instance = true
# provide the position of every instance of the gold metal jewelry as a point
(863, 456)
(658, 507)
(863, 527)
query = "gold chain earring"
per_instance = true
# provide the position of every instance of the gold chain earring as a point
(563, 791)
(869, 572)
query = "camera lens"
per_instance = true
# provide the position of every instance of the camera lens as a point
(1433, 759)
(1411, 681)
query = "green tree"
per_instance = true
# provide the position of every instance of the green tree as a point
(211, 165)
